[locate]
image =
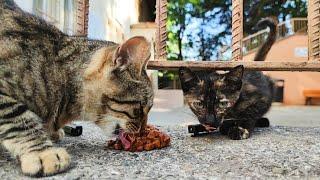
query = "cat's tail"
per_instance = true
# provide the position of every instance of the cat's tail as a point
(265, 48)
(262, 122)
(262, 54)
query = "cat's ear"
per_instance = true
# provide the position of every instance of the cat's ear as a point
(187, 78)
(236, 73)
(186, 74)
(135, 51)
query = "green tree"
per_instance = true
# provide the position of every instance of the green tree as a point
(179, 15)
(176, 25)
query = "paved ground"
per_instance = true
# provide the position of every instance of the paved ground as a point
(293, 116)
(276, 152)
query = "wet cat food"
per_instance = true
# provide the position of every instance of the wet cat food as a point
(151, 138)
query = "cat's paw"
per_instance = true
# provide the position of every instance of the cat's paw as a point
(238, 133)
(57, 135)
(44, 163)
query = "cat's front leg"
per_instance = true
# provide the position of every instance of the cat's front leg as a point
(241, 130)
(45, 162)
(22, 134)
(238, 133)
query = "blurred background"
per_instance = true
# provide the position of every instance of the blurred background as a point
(198, 30)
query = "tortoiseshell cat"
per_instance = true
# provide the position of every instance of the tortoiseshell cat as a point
(48, 79)
(245, 96)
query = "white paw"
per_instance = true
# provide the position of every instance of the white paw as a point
(245, 133)
(47, 162)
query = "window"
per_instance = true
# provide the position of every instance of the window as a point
(147, 10)
(61, 13)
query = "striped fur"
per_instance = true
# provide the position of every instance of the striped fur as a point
(48, 79)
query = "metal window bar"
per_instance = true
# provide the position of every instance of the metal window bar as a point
(237, 29)
(314, 26)
(161, 37)
(82, 17)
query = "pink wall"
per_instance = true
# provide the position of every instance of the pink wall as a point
(295, 82)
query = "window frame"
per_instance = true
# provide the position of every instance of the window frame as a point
(55, 13)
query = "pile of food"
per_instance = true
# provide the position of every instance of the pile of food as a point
(151, 138)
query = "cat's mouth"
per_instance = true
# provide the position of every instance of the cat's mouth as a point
(125, 139)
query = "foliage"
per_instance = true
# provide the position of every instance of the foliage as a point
(193, 26)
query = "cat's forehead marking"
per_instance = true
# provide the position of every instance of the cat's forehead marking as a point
(201, 83)
(219, 82)
(221, 72)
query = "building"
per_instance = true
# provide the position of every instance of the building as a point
(110, 20)
(292, 45)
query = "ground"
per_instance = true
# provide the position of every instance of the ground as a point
(289, 148)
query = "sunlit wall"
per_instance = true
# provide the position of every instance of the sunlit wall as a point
(110, 20)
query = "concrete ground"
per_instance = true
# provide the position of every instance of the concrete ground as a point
(291, 116)
(290, 148)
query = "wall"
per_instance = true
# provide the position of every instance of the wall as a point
(63, 17)
(110, 20)
(295, 82)
(26, 5)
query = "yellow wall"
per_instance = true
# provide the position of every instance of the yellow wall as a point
(295, 82)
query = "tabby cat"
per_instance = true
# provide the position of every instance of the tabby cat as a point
(235, 101)
(48, 79)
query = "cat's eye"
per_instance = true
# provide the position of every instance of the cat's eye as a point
(223, 105)
(197, 104)
(224, 102)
